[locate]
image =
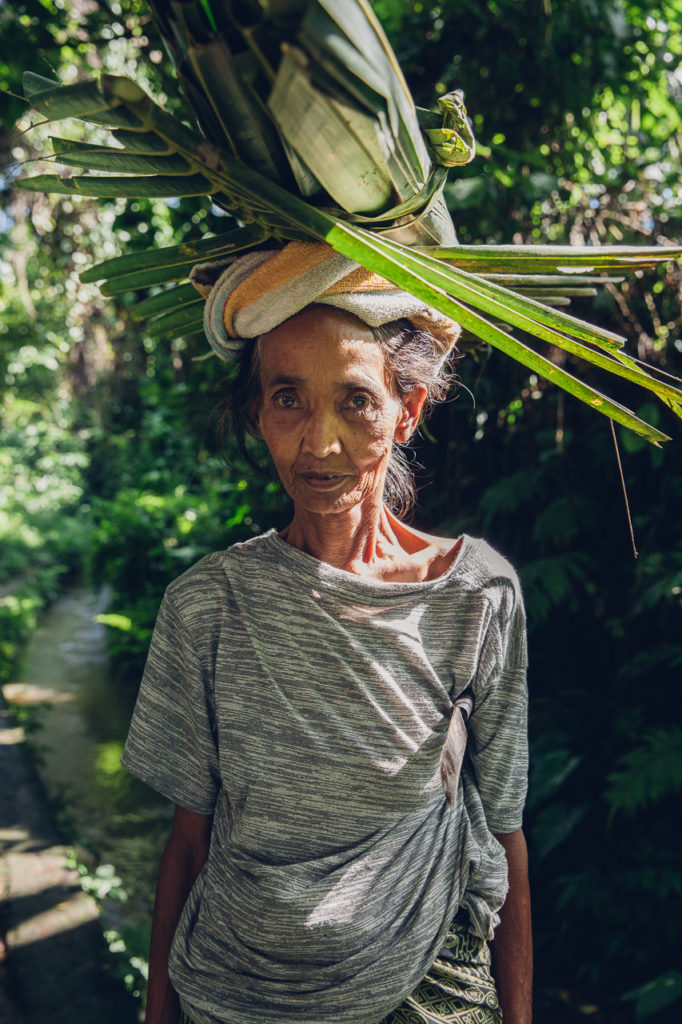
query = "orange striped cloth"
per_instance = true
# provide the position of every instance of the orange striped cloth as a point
(246, 296)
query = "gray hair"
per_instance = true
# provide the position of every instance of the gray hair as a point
(413, 356)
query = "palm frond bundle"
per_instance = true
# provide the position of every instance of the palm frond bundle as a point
(306, 129)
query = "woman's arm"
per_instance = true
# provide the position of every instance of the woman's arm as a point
(512, 944)
(183, 858)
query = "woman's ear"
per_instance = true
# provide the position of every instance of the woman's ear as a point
(411, 412)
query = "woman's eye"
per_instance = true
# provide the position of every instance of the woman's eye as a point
(285, 400)
(359, 402)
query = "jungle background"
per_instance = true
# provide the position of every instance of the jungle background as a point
(110, 470)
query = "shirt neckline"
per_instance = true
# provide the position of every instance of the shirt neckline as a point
(305, 565)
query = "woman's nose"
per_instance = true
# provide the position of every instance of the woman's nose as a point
(321, 436)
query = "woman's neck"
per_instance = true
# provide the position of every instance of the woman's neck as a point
(370, 542)
(347, 540)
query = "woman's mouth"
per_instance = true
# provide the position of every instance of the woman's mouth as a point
(323, 481)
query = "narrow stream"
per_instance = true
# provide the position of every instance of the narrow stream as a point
(82, 718)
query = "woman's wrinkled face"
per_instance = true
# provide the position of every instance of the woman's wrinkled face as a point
(328, 411)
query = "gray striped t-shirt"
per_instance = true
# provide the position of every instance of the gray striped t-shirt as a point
(306, 708)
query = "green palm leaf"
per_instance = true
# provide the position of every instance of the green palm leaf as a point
(337, 72)
(187, 254)
(105, 158)
(128, 187)
(565, 259)
(181, 321)
(165, 302)
(294, 75)
(389, 263)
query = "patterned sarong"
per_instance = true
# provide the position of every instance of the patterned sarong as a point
(458, 989)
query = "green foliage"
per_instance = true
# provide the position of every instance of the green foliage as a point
(650, 772)
(144, 538)
(578, 111)
(558, 581)
(19, 614)
(102, 883)
(174, 165)
(128, 947)
(656, 996)
(569, 101)
(41, 467)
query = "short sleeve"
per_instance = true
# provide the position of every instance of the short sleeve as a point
(498, 725)
(171, 744)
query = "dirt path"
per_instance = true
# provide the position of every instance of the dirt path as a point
(53, 959)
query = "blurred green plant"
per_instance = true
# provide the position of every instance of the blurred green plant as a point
(20, 611)
(657, 996)
(649, 772)
(143, 539)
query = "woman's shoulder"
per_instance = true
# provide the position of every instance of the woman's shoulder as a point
(488, 564)
(481, 570)
(471, 560)
(211, 574)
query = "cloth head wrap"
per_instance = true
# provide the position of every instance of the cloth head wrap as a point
(246, 296)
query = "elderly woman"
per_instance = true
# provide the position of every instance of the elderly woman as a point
(310, 694)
